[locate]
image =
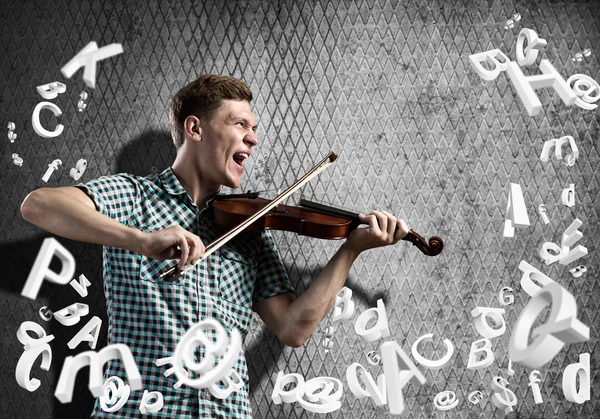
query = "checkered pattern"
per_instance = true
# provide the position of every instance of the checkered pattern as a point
(150, 315)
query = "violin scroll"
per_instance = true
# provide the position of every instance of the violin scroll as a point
(434, 247)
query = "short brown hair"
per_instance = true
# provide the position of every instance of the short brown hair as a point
(202, 98)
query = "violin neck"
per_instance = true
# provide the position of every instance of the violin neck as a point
(337, 212)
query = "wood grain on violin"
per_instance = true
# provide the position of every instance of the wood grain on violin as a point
(239, 212)
(309, 219)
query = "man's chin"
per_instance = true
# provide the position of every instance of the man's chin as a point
(233, 183)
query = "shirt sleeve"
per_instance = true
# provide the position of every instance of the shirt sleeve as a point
(115, 196)
(271, 276)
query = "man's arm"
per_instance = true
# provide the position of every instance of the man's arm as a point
(69, 212)
(294, 321)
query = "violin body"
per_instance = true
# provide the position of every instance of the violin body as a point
(309, 219)
(229, 212)
(241, 211)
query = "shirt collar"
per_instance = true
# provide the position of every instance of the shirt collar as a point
(174, 187)
(171, 183)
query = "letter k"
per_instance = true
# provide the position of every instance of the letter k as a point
(87, 58)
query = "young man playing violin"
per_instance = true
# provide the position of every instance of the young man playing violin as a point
(145, 222)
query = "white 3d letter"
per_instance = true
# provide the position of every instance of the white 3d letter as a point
(45, 314)
(76, 173)
(233, 382)
(481, 323)
(376, 391)
(155, 406)
(571, 236)
(577, 271)
(88, 57)
(89, 333)
(505, 301)
(23, 370)
(445, 400)
(534, 44)
(569, 382)
(491, 58)
(96, 360)
(280, 395)
(562, 327)
(318, 395)
(398, 370)
(475, 396)
(429, 363)
(476, 349)
(37, 125)
(534, 379)
(223, 348)
(116, 394)
(81, 286)
(40, 271)
(343, 299)
(51, 90)
(585, 100)
(549, 78)
(543, 214)
(516, 212)
(510, 369)
(558, 143)
(505, 401)
(529, 275)
(381, 328)
(562, 254)
(71, 315)
(29, 342)
(568, 196)
(170, 360)
(34, 347)
(373, 358)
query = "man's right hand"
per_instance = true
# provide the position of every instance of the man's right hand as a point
(173, 243)
(69, 212)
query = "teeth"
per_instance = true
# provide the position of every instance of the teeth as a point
(240, 158)
(242, 155)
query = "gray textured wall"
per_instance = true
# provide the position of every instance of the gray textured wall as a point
(387, 85)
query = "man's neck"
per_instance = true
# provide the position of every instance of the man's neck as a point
(192, 182)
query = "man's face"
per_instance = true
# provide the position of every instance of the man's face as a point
(227, 140)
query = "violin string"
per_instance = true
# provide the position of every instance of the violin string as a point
(330, 204)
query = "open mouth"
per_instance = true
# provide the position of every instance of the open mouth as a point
(240, 158)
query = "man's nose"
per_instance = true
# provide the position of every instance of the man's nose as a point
(251, 139)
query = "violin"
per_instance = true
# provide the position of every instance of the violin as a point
(308, 219)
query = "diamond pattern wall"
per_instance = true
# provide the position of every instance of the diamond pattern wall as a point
(384, 83)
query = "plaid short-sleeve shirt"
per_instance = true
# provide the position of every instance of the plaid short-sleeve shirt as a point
(151, 315)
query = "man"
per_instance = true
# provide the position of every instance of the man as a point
(144, 222)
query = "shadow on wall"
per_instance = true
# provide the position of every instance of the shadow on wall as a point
(260, 365)
(150, 152)
(18, 258)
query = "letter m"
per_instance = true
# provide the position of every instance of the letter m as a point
(96, 360)
(557, 144)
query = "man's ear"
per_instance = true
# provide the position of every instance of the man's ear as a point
(192, 128)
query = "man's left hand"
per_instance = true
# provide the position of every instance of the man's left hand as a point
(383, 229)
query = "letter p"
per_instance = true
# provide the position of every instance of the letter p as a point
(41, 268)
